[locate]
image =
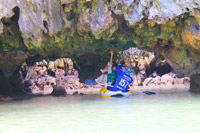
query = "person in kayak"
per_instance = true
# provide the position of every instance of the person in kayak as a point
(124, 78)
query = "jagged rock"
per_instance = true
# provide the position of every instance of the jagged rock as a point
(42, 70)
(40, 82)
(140, 57)
(51, 66)
(41, 63)
(48, 89)
(159, 11)
(96, 20)
(70, 83)
(186, 80)
(147, 81)
(139, 78)
(31, 73)
(35, 18)
(169, 79)
(59, 72)
(70, 64)
(59, 63)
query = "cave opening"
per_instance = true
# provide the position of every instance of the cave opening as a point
(160, 66)
(12, 86)
(89, 64)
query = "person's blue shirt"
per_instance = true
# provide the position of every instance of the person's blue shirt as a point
(123, 80)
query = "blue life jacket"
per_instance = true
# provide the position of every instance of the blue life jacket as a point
(128, 70)
(123, 80)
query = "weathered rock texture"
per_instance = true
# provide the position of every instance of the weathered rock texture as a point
(47, 28)
(45, 76)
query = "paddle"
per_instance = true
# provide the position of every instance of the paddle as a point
(92, 82)
(146, 92)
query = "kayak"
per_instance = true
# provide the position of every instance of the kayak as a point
(108, 93)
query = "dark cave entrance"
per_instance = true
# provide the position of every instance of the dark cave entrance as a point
(12, 86)
(89, 65)
(160, 66)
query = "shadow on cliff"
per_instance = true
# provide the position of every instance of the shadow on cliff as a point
(195, 84)
(90, 65)
(12, 86)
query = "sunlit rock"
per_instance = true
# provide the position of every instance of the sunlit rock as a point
(35, 18)
(140, 57)
(45, 78)
(159, 11)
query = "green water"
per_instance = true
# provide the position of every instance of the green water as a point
(177, 113)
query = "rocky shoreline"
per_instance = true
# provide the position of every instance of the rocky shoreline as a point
(95, 90)
(59, 77)
(46, 77)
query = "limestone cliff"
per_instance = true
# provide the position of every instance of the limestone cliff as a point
(49, 28)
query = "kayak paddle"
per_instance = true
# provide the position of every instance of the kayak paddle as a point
(146, 92)
(92, 82)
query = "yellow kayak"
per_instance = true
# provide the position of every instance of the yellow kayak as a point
(109, 93)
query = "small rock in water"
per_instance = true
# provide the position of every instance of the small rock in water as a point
(59, 91)
(82, 94)
(75, 93)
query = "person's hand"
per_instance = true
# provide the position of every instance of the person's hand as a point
(111, 52)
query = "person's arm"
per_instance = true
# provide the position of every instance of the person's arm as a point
(108, 68)
(105, 69)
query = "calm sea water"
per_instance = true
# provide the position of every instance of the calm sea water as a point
(163, 113)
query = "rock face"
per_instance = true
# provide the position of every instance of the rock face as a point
(52, 77)
(36, 17)
(138, 58)
(71, 28)
(95, 16)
